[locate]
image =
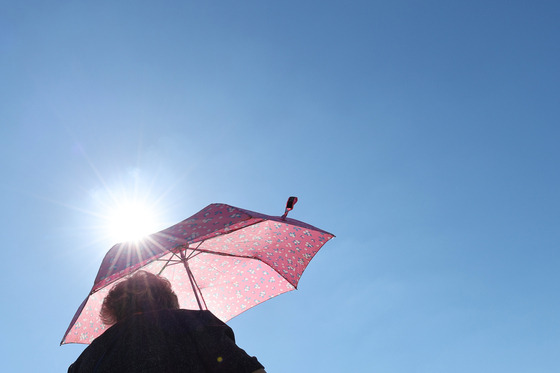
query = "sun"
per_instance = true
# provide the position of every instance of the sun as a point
(128, 208)
(131, 221)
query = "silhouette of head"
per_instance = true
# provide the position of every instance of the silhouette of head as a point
(142, 292)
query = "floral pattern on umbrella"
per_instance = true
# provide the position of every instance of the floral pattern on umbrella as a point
(223, 258)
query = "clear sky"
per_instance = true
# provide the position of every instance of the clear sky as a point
(423, 134)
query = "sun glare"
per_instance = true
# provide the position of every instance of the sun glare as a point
(131, 221)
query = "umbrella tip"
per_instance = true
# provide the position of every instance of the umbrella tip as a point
(289, 206)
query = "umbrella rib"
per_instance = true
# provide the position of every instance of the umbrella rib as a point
(174, 263)
(192, 254)
(200, 251)
(169, 261)
(245, 257)
(165, 265)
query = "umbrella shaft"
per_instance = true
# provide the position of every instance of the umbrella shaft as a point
(194, 285)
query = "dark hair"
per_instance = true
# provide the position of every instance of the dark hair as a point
(142, 292)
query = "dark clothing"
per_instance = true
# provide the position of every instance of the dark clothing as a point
(166, 341)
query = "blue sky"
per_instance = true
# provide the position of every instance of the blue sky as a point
(424, 135)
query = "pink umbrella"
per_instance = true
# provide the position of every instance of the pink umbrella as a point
(224, 259)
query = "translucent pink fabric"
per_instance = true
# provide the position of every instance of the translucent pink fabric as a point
(238, 258)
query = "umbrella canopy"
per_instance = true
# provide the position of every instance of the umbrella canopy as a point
(224, 259)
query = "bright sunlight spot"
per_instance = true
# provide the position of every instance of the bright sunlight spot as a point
(130, 221)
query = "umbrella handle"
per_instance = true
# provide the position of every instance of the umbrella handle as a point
(289, 206)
